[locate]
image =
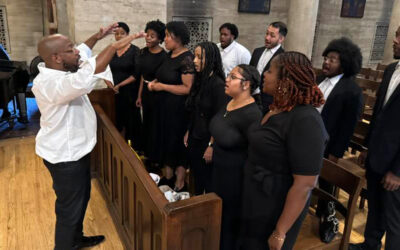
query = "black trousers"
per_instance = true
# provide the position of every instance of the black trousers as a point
(71, 183)
(383, 214)
(202, 171)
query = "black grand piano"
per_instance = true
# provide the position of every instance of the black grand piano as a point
(14, 79)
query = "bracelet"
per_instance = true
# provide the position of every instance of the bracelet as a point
(210, 144)
(276, 236)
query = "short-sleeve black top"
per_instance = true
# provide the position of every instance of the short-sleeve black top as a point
(172, 117)
(125, 66)
(150, 62)
(289, 142)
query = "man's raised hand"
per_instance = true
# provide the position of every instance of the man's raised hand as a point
(105, 31)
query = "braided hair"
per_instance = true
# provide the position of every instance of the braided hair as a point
(212, 66)
(296, 82)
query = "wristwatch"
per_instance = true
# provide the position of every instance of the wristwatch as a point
(210, 144)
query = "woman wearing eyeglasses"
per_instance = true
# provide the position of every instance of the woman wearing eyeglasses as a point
(229, 130)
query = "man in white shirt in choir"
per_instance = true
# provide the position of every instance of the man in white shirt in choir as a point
(262, 57)
(232, 52)
(68, 126)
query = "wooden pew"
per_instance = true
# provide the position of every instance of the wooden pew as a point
(368, 85)
(365, 73)
(106, 99)
(381, 67)
(142, 215)
(308, 237)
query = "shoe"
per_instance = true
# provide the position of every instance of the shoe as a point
(89, 241)
(358, 246)
(362, 246)
(183, 189)
(168, 182)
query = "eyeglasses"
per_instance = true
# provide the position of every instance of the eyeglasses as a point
(331, 59)
(233, 77)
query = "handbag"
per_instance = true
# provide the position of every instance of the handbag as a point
(328, 224)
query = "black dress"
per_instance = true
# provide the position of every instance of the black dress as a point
(229, 130)
(208, 101)
(172, 118)
(148, 65)
(126, 112)
(288, 143)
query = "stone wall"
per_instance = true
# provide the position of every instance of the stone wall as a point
(360, 30)
(252, 27)
(85, 17)
(25, 26)
(78, 19)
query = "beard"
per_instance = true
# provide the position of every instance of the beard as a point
(71, 67)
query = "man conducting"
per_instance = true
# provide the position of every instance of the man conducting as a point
(68, 126)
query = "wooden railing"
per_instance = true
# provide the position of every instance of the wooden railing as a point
(144, 218)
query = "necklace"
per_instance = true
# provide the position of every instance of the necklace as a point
(233, 106)
(226, 113)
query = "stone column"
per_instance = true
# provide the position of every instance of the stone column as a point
(393, 26)
(302, 18)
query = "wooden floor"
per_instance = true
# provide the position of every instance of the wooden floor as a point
(27, 199)
(27, 215)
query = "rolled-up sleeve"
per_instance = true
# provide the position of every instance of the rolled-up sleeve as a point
(72, 85)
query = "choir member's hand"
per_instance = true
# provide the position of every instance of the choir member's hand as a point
(185, 138)
(208, 154)
(155, 85)
(139, 102)
(390, 181)
(275, 241)
(105, 31)
(362, 158)
(116, 89)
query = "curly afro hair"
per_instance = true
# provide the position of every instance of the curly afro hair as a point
(180, 31)
(158, 27)
(232, 28)
(350, 55)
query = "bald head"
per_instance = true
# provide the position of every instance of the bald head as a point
(51, 45)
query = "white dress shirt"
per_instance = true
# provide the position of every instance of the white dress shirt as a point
(265, 58)
(68, 121)
(263, 61)
(394, 82)
(234, 55)
(326, 87)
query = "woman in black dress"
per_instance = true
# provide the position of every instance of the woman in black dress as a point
(150, 59)
(173, 82)
(124, 70)
(206, 97)
(229, 128)
(286, 150)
